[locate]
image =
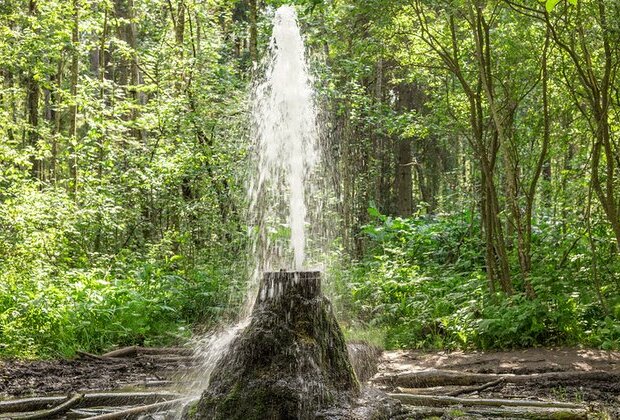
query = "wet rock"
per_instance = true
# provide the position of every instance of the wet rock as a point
(290, 362)
(364, 359)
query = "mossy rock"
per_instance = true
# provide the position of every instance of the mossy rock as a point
(290, 362)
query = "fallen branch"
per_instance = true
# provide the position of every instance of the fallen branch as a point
(134, 351)
(52, 412)
(122, 398)
(469, 390)
(29, 404)
(81, 413)
(134, 411)
(131, 351)
(89, 400)
(95, 357)
(445, 401)
(156, 384)
(434, 377)
(534, 413)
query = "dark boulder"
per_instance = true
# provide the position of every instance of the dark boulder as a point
(290, 362)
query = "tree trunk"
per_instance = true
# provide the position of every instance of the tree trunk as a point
(33, 94)
(403, 184)
(253, 32)
(73, 140)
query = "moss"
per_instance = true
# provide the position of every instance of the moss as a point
(289, 362)
(190, 411)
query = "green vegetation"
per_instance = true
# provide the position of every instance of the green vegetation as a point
(483, 136)
(423, 282)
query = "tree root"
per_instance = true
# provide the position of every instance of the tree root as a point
(134, 351)
(428, 406)
(69, 403)
(88, 400)
(29, 404)
(446, 401)
(471, 389)
(533, 413)
(131, 351)
(142, 409)
(433, 377)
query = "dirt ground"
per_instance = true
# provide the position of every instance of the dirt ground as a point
(602, 388)
(60, 377)
(520, 362)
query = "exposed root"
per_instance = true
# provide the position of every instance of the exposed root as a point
(472, 389)
(446, 401)
(87, 400)
(143, 409)
(436, 405)
(71, 402)
(131, 351)
(162, 354)
(533, 413)
(434, 377)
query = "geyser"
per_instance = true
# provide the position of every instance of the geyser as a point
(287, 357)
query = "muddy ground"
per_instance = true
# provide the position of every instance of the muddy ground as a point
(601, 389)
(60, 377)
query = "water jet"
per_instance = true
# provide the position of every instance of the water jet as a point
(287, 357)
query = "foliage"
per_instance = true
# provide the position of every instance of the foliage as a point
(484, 136)
(56, 297)
(424, 284)
(120, 188)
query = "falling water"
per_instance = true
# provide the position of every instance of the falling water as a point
(285, 154)
(286, 150)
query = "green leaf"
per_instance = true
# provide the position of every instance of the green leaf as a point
(373, 212)
(550, 4)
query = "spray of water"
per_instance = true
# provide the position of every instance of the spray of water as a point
(286, 150)
(285, 156)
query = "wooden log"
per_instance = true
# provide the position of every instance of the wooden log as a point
(143, 409)
(533, 413)
(131, 351)
(84, 413)
(87, 355)
(435, 390)
(123, 398)
(89, 400)
(471, 389)
(446, 401)
(29, 404)
(69, 403)
(435, 377)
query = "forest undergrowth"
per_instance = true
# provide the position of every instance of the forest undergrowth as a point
(423, 285)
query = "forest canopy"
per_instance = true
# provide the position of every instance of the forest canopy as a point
(473, 148)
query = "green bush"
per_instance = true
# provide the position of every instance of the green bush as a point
(58, 296)
(423, 282)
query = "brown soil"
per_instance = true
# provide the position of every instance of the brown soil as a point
(600, 392)
(519, 362)
(25, 378)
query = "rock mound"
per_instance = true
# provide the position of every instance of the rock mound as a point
(290, 362)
